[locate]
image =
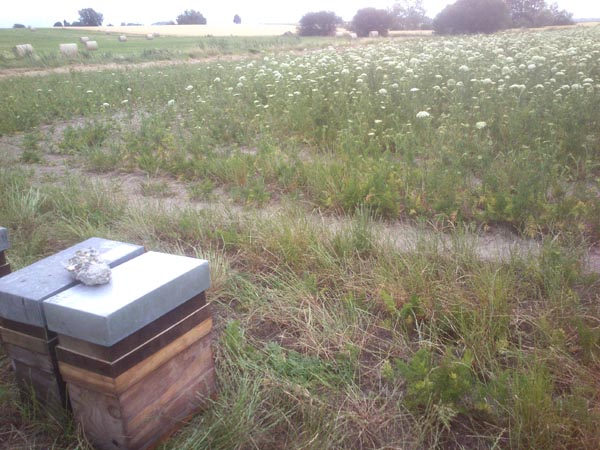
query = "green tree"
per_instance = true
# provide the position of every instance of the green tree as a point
(560, 16)
(472, 16)
(90, 18)
(524, 12)
(191, 17)
(537, 13)
(322, 23)
(409, 15)
(372, 19)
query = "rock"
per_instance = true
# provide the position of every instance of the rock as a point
(86, 266)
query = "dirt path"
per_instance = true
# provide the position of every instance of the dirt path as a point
(497, 245)
(34, 72)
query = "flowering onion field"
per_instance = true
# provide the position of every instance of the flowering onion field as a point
(499, 129)
(330, 336)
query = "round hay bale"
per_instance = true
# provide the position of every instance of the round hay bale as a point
(122, 38)
(23, 50)
(149, 36)
(91, 46)
(353, 36)
(68, 50)
(373, 34)
(84, 39)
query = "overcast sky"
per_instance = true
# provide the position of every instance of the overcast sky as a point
(43, 13)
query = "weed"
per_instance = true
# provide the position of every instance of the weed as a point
(77, 140)
(159, 189)
(201, 191)
(31, 148)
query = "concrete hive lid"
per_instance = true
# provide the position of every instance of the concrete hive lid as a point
(141, 290)
(22, 292)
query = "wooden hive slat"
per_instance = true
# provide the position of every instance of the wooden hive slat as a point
(101, 423)
(122, 382)
(39, 384)
(35, 344)
(33, 359)
(142, 407)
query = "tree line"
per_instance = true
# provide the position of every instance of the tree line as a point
(462, 16)
(88, 17)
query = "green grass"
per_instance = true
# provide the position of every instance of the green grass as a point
(327, 333)
(332, 338)
(46, 41)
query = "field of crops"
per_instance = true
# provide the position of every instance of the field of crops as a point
(296, 174)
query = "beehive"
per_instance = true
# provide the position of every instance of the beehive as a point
(28, 343)
(136, 353)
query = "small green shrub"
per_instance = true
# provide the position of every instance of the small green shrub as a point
(78, 139)
(448, 380)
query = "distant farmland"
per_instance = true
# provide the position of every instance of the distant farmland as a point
(204, 30)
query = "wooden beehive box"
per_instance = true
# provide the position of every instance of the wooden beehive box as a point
(136, 353)
(27, 341)
(4, 266)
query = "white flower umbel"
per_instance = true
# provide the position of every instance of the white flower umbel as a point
(423, 115)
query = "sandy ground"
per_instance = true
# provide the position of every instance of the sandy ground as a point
(203, 30)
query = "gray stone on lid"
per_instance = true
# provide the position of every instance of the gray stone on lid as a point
(141, 291)
(22, 292)
(87, 267)
(3, 239)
